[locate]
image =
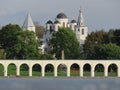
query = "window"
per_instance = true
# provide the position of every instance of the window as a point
(45, 49)
(63, 24)
(78, 30)
(82, 31)
(51, 29)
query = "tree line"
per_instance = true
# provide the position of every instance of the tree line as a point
(102, 45)
(16, 43)
(98, 45)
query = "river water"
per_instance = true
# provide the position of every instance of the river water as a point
(60, 84)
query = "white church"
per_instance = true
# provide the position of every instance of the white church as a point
(61, 20)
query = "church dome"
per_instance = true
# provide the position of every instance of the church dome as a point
(73, 21)
(49, 22)
(56, 22)
(61, 15)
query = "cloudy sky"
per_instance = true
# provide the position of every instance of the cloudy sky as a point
(98, 14)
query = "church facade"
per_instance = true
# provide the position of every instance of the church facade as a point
(79, 27)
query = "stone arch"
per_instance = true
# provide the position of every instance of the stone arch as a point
(2, 71)
(36, 70)
(62, 70)
(87, 69)
(74, 70)
(24, 69)
(112, 69)
(11, 69)
(49, 70)
(99, 69)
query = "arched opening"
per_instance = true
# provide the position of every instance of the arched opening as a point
(2, 70)
(74, 70)
(112, 70)
(24, 70)
(63, 24)
(49, 70)
(99, 70)
(87, 70)
(62, 70)
(36, 70)
(51, 29)
(11, 69)
(82, 31)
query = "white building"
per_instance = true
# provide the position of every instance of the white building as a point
(61, 20)
(28, 24)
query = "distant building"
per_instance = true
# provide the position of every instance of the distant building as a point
(61, 20)
(28, 24)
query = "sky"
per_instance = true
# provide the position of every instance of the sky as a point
(98, 14)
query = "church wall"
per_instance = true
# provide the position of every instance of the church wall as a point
(63, 22)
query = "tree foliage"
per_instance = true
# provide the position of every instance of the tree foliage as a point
(109, 51)
(93, 43)
(65, 39)
(116, 37)
(18, 44)
(2, 56)
(39, 30)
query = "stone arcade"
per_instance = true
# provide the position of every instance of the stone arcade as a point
(56, 63)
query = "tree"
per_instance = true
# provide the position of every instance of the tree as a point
(39, 30)
(116, 36)
(93, 43)
(26, 46)
(46, 57)
(2, 56)
(65, 39)
(8, 35)
(109, 51)
(18, 44)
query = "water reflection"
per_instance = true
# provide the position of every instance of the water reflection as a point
(59, 84)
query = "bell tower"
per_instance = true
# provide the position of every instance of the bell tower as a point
(81, 29)
(28, 24)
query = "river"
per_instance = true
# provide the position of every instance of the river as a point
(60, 83)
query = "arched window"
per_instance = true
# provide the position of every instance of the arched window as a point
(51, 29)
(75, 27)
(63, 24)
(78, 30)
(82, 31)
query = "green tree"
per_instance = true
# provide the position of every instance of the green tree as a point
(93, 43)
(116, 36)
(46, 57)
(109, 51)
(2, 56)
(65, 39)
(39, 30)
(18, 44)
(26, 46)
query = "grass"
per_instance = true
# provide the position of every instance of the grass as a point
(1, 71)
(60, 73)
(86, 73)
(36, 73)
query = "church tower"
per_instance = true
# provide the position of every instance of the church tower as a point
(81, 29)
(28, 24)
